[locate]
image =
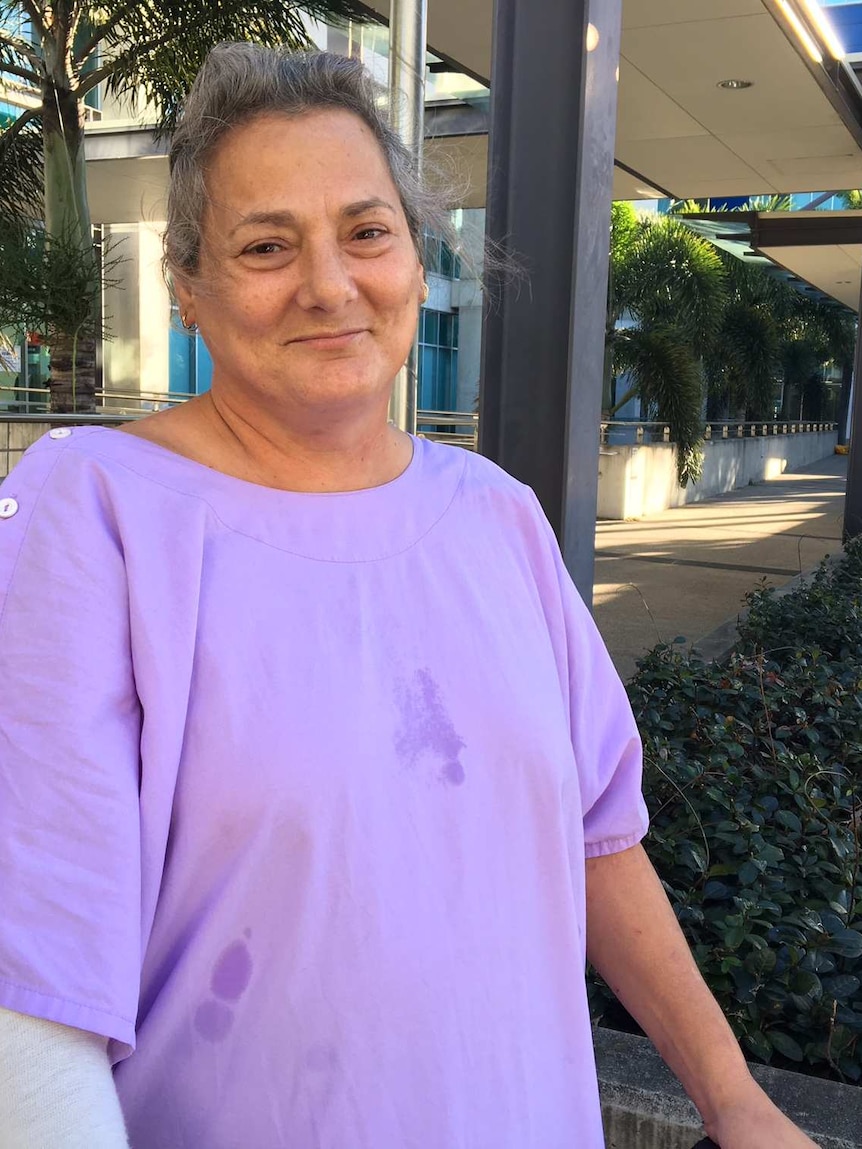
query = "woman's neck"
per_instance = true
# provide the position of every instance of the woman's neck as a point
(336, 454)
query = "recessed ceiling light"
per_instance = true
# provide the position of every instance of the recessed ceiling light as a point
(735, 85)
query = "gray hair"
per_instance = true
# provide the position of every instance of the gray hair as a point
(240, 81)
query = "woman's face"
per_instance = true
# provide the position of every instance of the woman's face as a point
(309, 283)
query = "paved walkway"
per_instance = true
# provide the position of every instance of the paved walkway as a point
(692, 566)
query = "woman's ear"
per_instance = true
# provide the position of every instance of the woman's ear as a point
(185, 301)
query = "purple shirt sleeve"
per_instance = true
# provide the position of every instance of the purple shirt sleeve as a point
(604, 735)
(70, 946)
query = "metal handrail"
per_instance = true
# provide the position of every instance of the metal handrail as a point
(449, 418)
(646, 431)
(79, 419)
(143, 396)
(441, 418)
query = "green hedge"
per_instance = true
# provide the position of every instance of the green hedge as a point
(753, 776)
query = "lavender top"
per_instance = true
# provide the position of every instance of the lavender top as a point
(295, 795)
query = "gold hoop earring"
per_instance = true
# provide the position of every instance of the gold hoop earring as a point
(426, 291)
(184, 320)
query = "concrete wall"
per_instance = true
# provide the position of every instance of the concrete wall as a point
(641, 480)
(645, 1107)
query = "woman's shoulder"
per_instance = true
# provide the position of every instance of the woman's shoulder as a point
(93, 482)
(478, 472)
(494, 500)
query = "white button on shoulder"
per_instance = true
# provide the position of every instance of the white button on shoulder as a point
(8, 508)
(60, 433)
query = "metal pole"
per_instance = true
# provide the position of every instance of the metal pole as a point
(408, 24)
(551, 149)
(853, 495)
(24, 373)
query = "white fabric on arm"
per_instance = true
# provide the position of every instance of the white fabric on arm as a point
(56, 1087)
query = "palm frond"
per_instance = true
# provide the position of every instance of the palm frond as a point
(671, 277)
(667, 374)
(47, 284)
(747, 350)
(21, 170)
(851, 199)
(157, 47)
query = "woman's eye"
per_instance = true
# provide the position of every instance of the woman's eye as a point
(263, 249)
(370, 233)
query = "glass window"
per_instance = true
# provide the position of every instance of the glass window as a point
(438, 356)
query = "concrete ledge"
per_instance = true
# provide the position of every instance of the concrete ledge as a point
(645, 1107)
(639, 480)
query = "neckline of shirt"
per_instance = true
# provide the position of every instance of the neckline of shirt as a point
(341, 526)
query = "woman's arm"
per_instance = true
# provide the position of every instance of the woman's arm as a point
(635, 943)
(56, 1087)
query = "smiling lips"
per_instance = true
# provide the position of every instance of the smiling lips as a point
(329, 338)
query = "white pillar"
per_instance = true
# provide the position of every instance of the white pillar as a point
(408, 22)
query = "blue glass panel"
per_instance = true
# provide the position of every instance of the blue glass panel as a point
(846, 19)
(428, 378)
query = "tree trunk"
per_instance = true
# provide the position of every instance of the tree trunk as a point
(73, 374)
(67, 218)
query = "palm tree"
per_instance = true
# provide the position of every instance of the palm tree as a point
(742, 362)
(818, 334)
(669, 284)
(139, 48)
(772, 337)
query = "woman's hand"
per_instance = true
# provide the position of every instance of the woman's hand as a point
(754, 1122)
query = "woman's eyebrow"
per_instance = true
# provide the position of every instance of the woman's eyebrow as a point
(364, 205)
(278, 218)
(288, 219)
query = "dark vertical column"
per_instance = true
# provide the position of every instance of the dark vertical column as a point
(853, 498)
(553, 117)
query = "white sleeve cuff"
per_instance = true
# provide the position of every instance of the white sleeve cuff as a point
(56, 1087)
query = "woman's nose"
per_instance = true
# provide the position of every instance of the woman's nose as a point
(325, 278)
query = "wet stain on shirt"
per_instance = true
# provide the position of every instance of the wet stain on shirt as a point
(232, 972)
(230, 978)
(427, 729)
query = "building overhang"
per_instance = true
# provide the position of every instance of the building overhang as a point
(820, 253)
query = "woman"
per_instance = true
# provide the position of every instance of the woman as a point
(315, 773)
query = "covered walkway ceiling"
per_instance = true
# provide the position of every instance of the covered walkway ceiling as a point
(679, 134)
